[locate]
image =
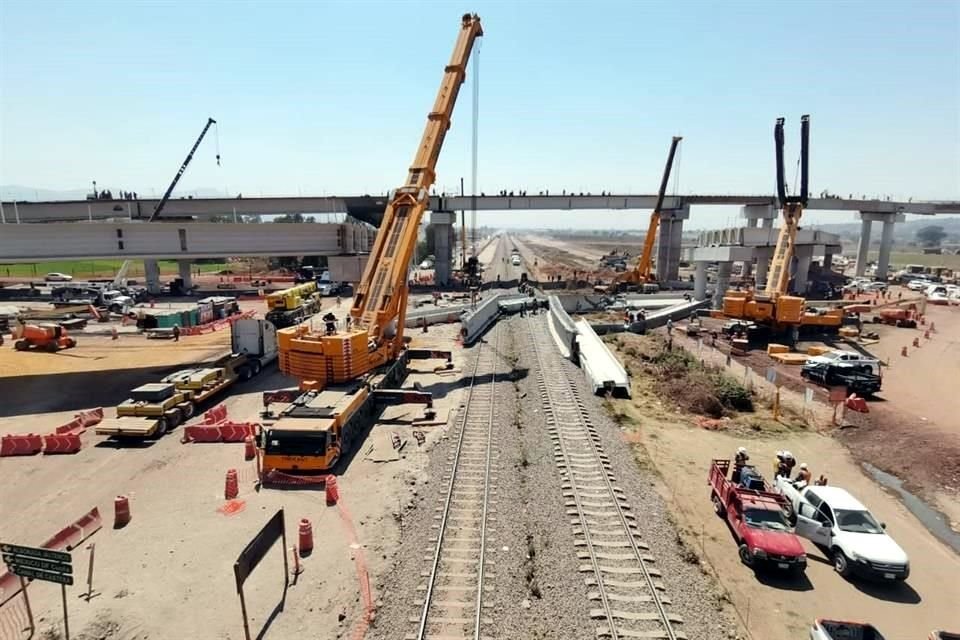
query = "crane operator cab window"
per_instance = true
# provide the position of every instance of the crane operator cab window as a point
(296, 443)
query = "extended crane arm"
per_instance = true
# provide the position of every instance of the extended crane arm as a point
(381, 295)
(778, 277)
(643, 270)
(183, 167)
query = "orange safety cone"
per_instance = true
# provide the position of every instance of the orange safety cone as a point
(333, 494)
(903, 352)
(231, 488)
(306, 537)
(121, 512)
(916, 342)
(249, 449)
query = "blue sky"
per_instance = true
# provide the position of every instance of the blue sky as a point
(317, 98)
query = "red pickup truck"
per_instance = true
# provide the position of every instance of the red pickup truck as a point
(755, 514)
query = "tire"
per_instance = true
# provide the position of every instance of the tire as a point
(161, 428)
(841, 564)
(717, 505)
(175, 418)
(244, 374)
(187, 409)
(21, 345)
(71, 343)
(745, 556)
(51, 347)
(256, 368)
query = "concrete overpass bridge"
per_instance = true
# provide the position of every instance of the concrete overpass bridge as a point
(759, 210)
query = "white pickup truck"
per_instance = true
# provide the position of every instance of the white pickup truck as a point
(833, 519)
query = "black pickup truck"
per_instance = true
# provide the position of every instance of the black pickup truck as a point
(859, 380)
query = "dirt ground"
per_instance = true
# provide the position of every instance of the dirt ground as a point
(775, 608)
(169, 573)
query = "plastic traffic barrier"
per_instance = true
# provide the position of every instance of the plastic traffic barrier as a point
(61, 443)
(25, 445)
(223, 432)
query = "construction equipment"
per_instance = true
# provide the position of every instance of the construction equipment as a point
(183, 167)
(46, 336)
(774, 307)
(316, 428)
(643, 273)
(153, 409)
(291, 306)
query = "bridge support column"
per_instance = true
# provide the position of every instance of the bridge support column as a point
(185, 274)
(756, 214)
(700, 280)
(442, 222)
(804, 256)
(151, 271)
(886, 241)
(863, 248)
(669, 243)
(763, 256)
(723, 283)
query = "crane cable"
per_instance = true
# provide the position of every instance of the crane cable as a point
(216, 135)
(473, 157)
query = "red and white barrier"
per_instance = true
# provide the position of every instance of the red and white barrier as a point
(25, 445)
(61, 443)
(223, 432)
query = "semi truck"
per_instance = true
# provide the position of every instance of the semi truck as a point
(755, 515)
(153, 409)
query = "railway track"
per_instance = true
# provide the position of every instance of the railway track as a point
(456, 582)
(627, 597)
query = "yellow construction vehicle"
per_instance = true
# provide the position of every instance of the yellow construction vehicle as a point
(774, 307)
(291, 306)
(345, 375)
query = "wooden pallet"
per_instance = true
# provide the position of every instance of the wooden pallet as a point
(789, 358)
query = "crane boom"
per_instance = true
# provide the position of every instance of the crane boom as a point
(643, 273)
(778, 278)
(183, 167)
(380, 301)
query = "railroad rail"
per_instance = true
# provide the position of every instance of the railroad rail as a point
(619, 572)
(453, 602)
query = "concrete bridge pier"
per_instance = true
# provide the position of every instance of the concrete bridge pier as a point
(763, 256)
(723, 283)
(700, 280)
(759, 215)
(185, 274)
(867, 218)
(151, 271)
(442, 222)
(669, 243)
(801, 276)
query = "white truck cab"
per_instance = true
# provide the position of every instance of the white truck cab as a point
(834, 519)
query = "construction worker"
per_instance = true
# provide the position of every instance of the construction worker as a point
(330, 321)
(789, 463)
(803, 475)
(778, 464)
(669, 326)
(739, 461)
(176, 333)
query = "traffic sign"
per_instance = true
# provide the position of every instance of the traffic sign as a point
(34, 563)
(25, 572)
(34, 552)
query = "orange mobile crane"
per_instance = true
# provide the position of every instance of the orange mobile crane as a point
(774, 307)
(345, 374)
(643, 273)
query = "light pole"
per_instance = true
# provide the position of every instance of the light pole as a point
(94, 189)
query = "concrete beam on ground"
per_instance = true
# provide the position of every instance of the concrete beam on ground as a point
(65, 240)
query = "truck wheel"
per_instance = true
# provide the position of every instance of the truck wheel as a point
(71, 343)
(841, 564)
(51, 347)
(244, 373)
(174, 419)
(161, 428)
(745, 556)
(21, 345)
(717, 505)
(256, 367)
(186, 408)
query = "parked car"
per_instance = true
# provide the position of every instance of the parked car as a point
(843, 358)
(842, 630)
(857, 379)
(918, 284)
(55, 276)
(874, 286)
(836, 521)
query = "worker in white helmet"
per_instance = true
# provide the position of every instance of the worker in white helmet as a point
(790, 463)
(778, 464)
(803, 475)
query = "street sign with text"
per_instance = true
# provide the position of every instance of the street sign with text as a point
(40, 564)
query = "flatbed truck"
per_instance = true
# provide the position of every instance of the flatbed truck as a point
(155, 408)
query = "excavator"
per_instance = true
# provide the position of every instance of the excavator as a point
(643, 274)
(346, 374)
(774, 308)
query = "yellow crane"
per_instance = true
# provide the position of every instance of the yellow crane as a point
(643, 272)
(343, 372)
(774, 306)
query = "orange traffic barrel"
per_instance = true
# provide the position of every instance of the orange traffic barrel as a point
(306, 537)
(121, 512)
(231, 488)
(249, 449)
(333, 494)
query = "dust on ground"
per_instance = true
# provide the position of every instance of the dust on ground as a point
(772, 607)
(169, 573)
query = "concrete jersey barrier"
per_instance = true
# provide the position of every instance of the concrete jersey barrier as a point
(562, 328)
